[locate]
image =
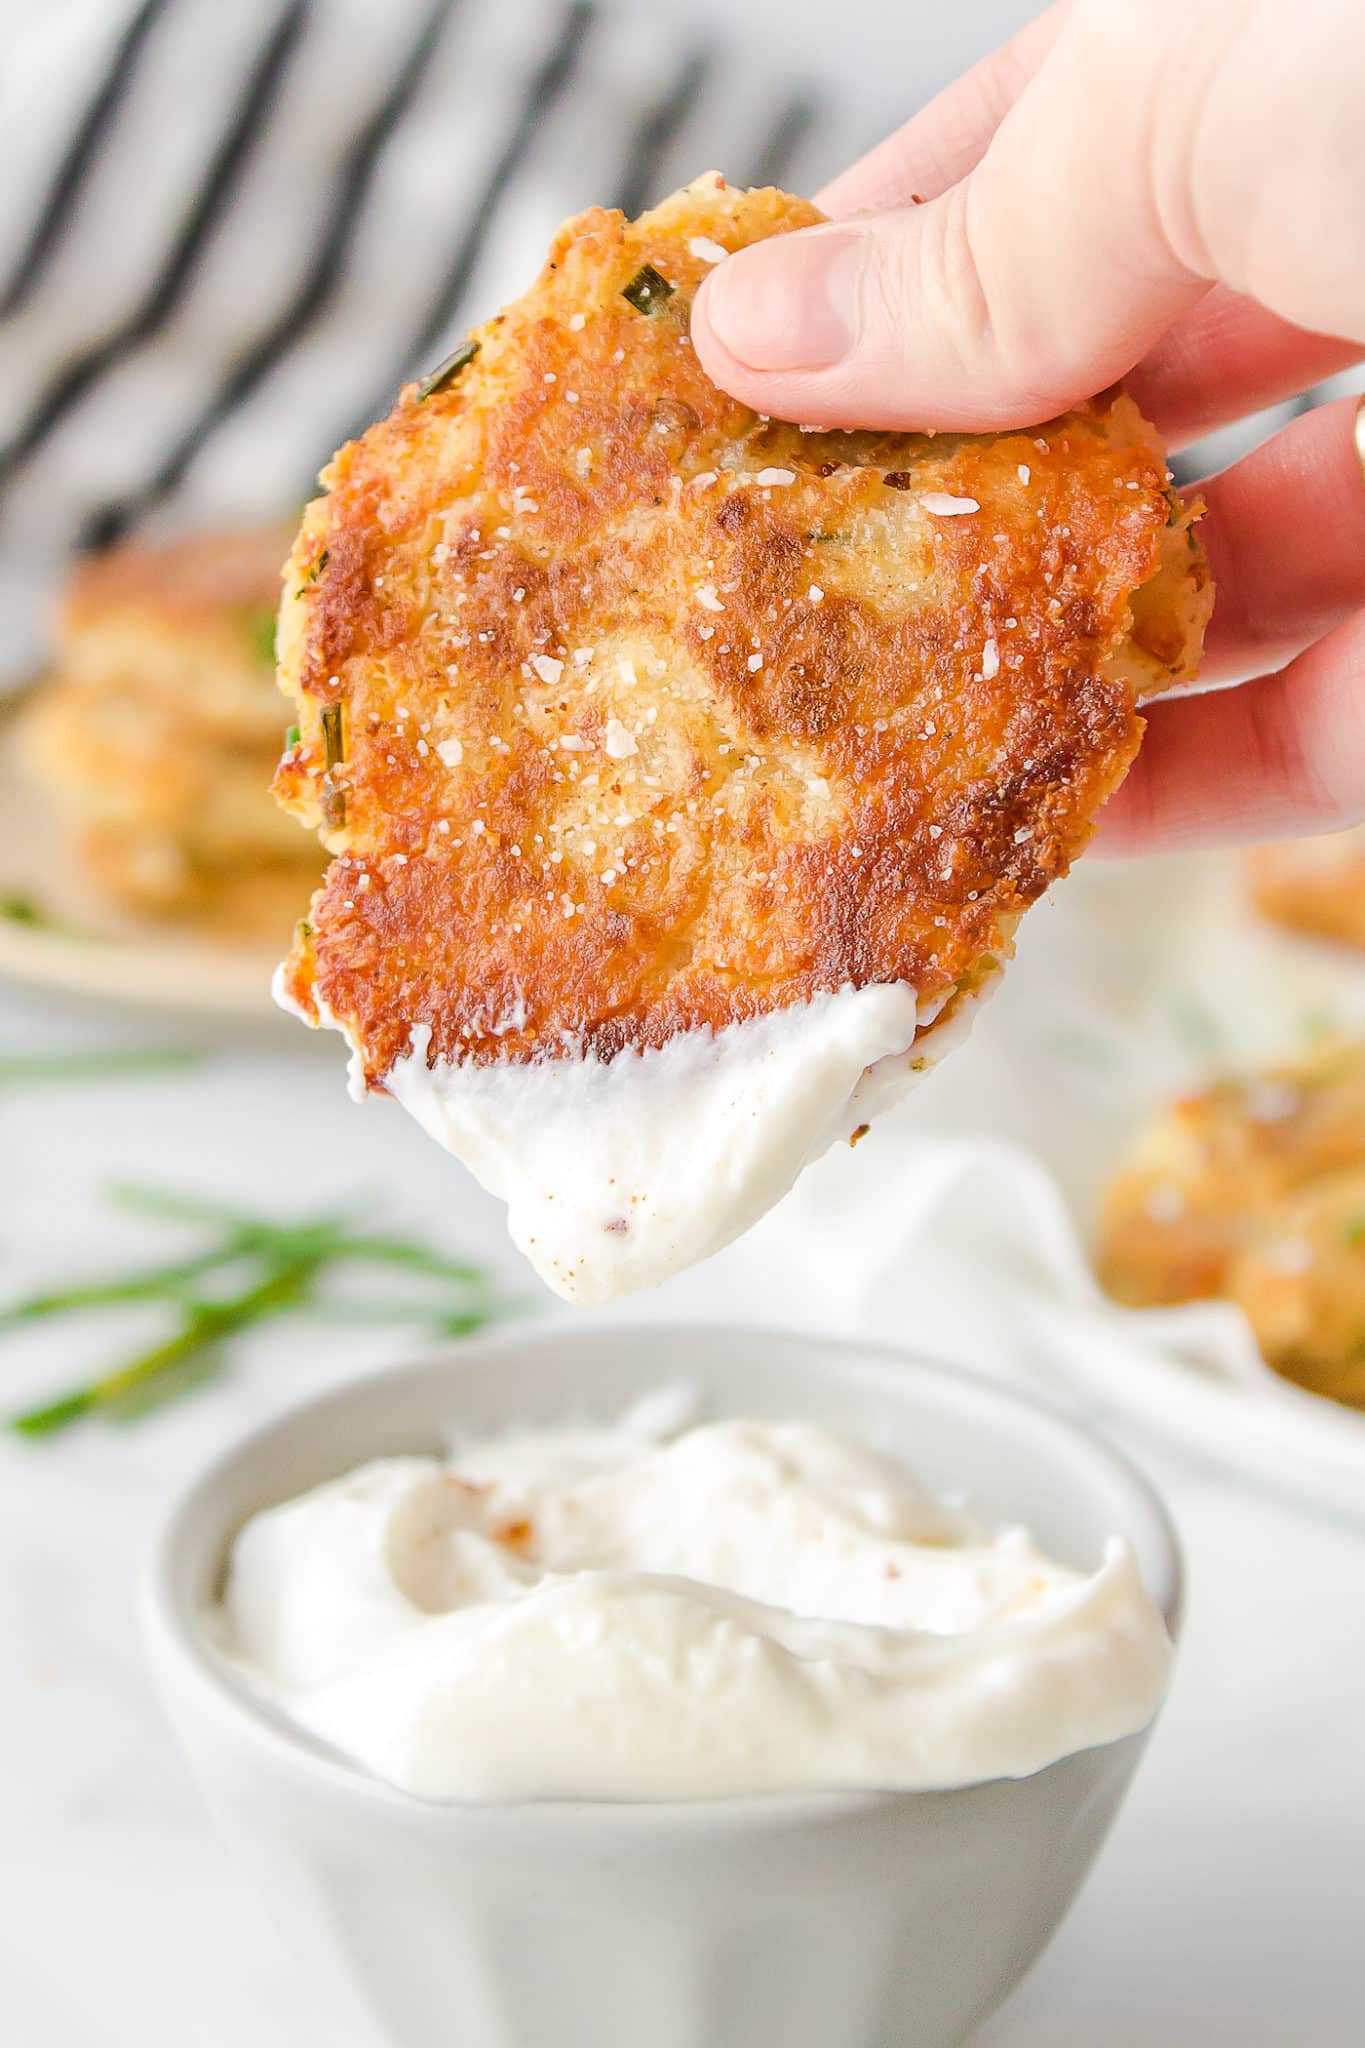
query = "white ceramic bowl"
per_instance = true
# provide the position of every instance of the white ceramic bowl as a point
(873, 1920)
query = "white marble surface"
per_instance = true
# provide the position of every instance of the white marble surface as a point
(1225, 1913)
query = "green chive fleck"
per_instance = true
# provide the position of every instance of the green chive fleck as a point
(315, 569)
(334, 753)
(446, 372)
(292, 737)
(23, 910)
(29, 912)
(332, 747)
(647, 290)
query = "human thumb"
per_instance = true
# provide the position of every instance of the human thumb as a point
(1088, 226)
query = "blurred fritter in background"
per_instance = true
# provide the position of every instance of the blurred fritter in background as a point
(158, 728)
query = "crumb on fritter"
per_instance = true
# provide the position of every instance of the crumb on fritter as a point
(626, 711)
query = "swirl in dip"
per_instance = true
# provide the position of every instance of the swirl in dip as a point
(655, 1611)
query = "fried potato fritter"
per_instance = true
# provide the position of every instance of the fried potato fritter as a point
(1254, 1191)
(1301, 1282)
(627, 712)
(188, 619)
(159, 728)
(1314, 886)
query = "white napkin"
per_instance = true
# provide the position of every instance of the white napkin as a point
(966, 1250)
(959, 1227)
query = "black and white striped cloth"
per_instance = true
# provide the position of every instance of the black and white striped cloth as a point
(228, 232)
(229, 229)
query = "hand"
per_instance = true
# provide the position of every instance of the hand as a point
(1169, 193)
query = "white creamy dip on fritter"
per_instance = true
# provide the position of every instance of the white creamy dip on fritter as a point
(618, 1174)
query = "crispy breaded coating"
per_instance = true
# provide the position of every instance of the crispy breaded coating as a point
(1314, 886)
(626, 711)
(1254, 1190)
(159, 728)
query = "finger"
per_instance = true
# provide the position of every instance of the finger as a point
(1229, 357)
(1285, 536)
(1041, 277)
(1120, 184)
(947, 138)
(1270, 759)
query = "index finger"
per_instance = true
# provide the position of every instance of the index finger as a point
(1271, 759)
(947, 138)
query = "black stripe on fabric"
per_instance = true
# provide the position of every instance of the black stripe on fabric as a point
(316, 287)
(660, 126)
(778, 149)
(80, 157)
(229, 159)
(544, 88)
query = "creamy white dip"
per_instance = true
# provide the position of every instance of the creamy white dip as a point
(742, 1607)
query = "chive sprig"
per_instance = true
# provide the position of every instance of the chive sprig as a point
(253, 1270)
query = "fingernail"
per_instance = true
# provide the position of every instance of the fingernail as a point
(1360, 434)
(789, 303)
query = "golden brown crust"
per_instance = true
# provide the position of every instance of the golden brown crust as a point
(656, 715)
